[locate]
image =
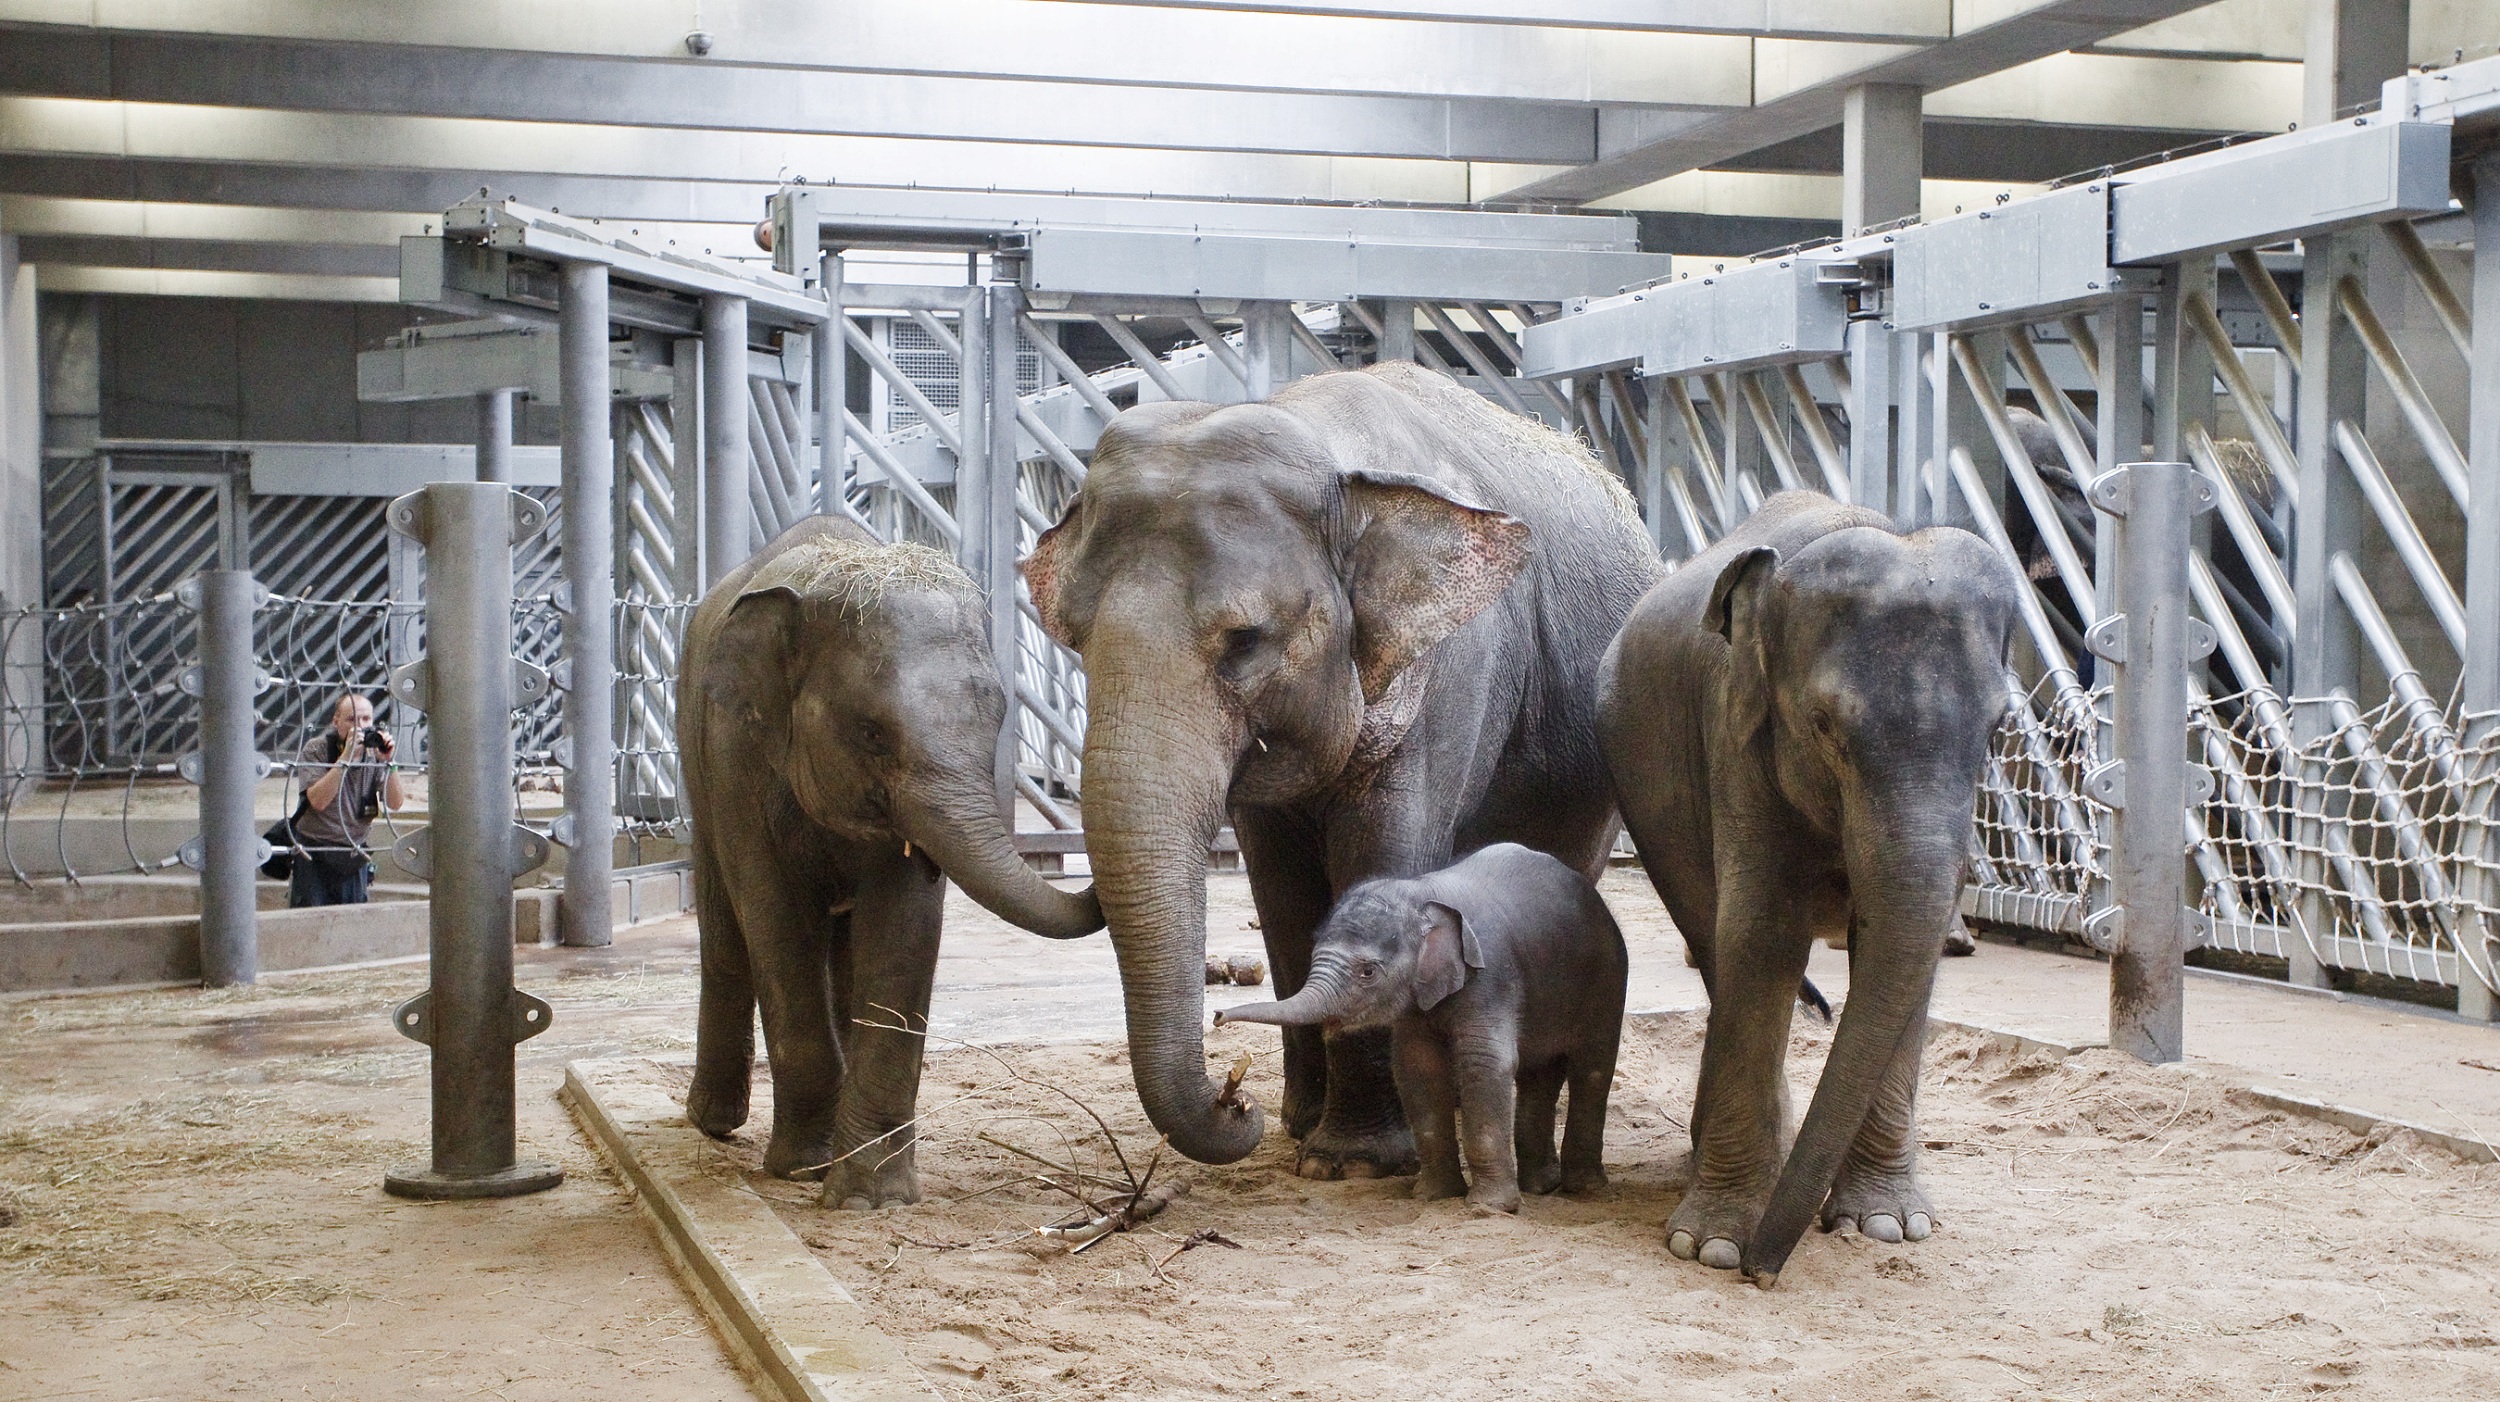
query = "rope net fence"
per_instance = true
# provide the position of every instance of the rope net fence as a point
(2039, 847)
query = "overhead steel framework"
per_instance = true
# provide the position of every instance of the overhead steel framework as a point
(1882, 369)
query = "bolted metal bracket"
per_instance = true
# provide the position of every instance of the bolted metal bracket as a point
(561, 595)
(2106, 783)
(409, 516)
(561, 749)
(2107, 639)
(2201, 640)
(530, 682)
(529, 517)
(561, 830)
(2114, 491)
(412, 684)
(2200, 784)
(193, 852)
(530, 1016)
(194, 766)
(2106, 929)
(560, 676)
(187, 593)
(415, 851)
(194, 682)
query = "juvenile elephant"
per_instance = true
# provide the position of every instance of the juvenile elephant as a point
(1501, 978)
(1795, 723)
(1363, 618)
(838, 710)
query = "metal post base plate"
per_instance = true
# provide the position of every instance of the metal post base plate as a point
(524, 1177)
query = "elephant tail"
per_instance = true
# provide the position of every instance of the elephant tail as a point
(1814, 1000)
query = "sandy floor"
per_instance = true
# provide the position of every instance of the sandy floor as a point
(191, 1201)
(2111, 1231)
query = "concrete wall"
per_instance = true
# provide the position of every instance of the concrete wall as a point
(229, 368)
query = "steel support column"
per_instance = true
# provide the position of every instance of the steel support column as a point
(468, 683)
(229, 769)
(830, 357)
(1004, 475)
(494, 436)
(2150, 505)
(727, 462)
(685, 468)
(2479, 685)
(1266, 348)
(1881, 155)
(1397, 329)
(1870, 413)
(588, 462)
(2352, 47)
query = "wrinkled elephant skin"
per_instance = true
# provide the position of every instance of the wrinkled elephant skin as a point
(838, 713)
(1361, 619)
(1795, 724)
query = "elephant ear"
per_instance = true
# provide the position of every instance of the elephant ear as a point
(1734, 613)
(1422, 563)
(1041, 573)
(1449, 951)
(748, 673)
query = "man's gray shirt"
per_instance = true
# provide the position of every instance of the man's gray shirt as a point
(360, 791)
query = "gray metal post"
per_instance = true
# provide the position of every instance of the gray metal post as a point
(1911, 449)
(2149, 644)
(1882, 154)
(727, 464)
(1266, 347)
(494, 436)
(831, 359)
(1397, 329)
(685, 468)
(2352, 47)
(468, 683)
(227, 770)
(999, 523)
(583, 916)
(2326, 646)
(2479, 686)
(1870, 414)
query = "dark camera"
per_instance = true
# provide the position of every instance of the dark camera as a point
(375, 737)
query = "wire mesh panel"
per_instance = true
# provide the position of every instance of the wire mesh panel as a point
(83, 720)
(650, 791)
(317, 651)
(2039, 845)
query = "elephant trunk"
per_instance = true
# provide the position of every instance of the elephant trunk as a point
(1905, 861)
(1158, 760)
(968, 838)
(1321, 999)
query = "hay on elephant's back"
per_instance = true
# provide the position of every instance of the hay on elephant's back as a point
(1522, 435)
(856, 575)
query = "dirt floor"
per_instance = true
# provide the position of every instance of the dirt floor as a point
(191, 1201)
(2110, 1230)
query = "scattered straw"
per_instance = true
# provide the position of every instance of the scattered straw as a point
(1511, 434)
(855, 575)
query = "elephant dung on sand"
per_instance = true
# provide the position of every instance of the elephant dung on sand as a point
(1795, 724)
(838, 711)
(1362, 619)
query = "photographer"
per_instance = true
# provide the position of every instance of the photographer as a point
(339, 807)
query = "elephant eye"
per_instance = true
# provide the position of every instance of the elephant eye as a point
(1239, 642)
(870, 737)
(1367, 970)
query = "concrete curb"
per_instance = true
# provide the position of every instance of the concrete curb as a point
(783, 1316)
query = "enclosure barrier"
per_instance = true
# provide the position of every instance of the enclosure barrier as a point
(228, 768)
(469, 684)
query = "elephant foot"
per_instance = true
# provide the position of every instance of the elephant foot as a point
(1581, 1178)
(1712, 1225)
(1885, 1205)
(798, 1153)
(1328, 1152)
(1958, 940)
(872, 1178)
(1433, 1187)
(717, 1105)
(1541, 1178)
(1499, 1198)
(1301, 1115)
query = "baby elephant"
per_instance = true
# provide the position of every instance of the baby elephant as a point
(1501, 978)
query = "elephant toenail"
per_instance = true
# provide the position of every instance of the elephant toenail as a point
(1361, 1168)
(1720, 1254)
(1881, 1226)
(1680, 1245)
(1919, 1227)
(856, 1203)
(1843, 1224)
(1316, 1167)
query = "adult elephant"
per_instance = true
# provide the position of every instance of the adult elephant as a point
(838, 712)
(1795, 723)
(1364, 619)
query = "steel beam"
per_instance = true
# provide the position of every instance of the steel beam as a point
(494, 436)
(728, 463)
(2478, 686)
(1881, 156)
(2351, 48)
(583, 914)
(229, 770)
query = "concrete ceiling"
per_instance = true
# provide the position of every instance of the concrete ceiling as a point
(181, 143)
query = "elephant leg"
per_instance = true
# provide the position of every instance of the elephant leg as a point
(1760, 950)
(1877, 1192)
(1429, 1090)
(894, 949)
(1289, 886)
(1532, 1137)
(785, 945)
(724, 1037)
(1488, 1108)
(1592, 1074)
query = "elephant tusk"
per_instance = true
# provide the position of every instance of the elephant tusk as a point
(1262, 742)
(906, 846)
